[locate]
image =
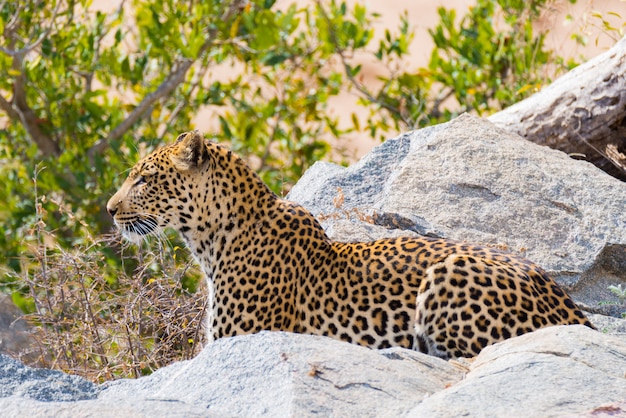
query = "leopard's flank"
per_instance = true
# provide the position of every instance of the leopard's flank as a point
(270, 265)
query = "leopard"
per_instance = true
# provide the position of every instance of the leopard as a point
(270, 266)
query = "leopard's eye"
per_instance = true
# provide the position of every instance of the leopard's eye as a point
(140, 180)
(144, 174)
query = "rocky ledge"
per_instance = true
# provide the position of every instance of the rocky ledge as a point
(464, 180)
(557, 371)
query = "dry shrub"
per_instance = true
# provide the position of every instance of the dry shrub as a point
(104, 329)
(342, 213)
(92, 319)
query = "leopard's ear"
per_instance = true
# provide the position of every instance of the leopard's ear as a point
(189, 151)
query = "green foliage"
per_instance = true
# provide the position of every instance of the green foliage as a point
(84, 94)
(485, 57)
(482, 62)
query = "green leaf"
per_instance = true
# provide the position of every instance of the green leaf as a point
(275, 58)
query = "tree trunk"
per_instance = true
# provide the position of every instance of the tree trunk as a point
(582, 113)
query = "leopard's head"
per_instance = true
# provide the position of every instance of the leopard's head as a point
(161, 189)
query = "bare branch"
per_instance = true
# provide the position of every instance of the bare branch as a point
(167, 86)
(25, 50)
(10, 27)
(31, 46)
(6, 106)
(19, 110)
(444, 95)
(195, 83)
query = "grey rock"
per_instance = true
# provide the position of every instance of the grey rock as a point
(41, 384)
(608, 269)
(609, 324)
(554, 372)
(270, 374)
(126, 407)
(280, 374)
(557, 371)
(15, 333)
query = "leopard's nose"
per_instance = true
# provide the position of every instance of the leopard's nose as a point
(112, 206)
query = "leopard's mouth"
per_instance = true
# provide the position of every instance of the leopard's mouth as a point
(137, 227)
